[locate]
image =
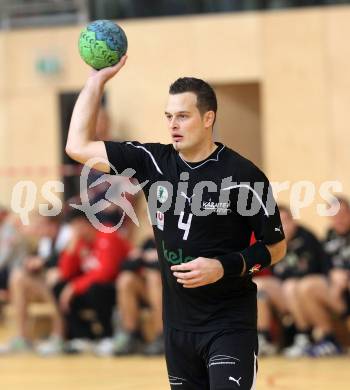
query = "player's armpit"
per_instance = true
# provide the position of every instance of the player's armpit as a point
(92, 153)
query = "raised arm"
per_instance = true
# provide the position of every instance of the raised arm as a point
(80, 142)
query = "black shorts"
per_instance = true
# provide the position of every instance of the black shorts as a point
(220, 360)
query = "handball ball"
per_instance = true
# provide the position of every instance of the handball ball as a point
(102, 43)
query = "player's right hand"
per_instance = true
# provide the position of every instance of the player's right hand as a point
(105, 74)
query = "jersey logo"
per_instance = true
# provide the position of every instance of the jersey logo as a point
(222, 360)
(175, 257)
(162, 194)
(188, 198)
(231, 378)
(176, 381)
(256, 268)
(278, 229)
(160, 220)
(217, 207)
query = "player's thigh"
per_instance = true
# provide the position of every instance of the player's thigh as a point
(232, 360)
(186, 368)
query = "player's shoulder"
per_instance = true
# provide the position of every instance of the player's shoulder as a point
(155, 149)
(158, 147)
(245, 169)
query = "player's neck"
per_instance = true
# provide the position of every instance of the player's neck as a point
(199, 153)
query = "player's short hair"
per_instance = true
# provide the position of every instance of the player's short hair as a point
(206, 97)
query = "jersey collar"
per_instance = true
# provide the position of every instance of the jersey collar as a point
(215, 156)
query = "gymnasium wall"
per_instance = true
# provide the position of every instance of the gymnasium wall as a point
(297, 60)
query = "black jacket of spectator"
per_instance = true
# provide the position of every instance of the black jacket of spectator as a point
(305, 256)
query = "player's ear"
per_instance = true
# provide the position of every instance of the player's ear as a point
(209, 118)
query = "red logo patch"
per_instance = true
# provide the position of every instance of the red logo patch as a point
(255, 268)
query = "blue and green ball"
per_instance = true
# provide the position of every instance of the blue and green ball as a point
(102, 43)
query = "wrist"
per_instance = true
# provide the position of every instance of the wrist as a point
(256, 257)
(247, 262)
(232, 263)
(96, 84)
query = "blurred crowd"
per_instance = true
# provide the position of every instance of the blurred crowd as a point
(304, 300)
(85, 274)
(97, 282)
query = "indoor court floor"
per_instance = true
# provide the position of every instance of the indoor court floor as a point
(28, 372)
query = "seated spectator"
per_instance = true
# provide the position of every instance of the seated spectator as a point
(85, 280)
(27, 278)
(13, 249)
(279, 291)
(5, 256)
(323, 297)
(139, 283)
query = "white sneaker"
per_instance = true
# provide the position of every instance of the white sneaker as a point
(105, 347)
(123, 343)
(52, 346)
(299, 347)
(265, 347)
(16, 345)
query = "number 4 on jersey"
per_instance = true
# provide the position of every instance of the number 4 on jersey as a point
(185, 226)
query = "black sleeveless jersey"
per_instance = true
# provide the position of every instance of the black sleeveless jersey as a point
(208, 208)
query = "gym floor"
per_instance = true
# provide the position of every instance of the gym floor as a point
(89, 373)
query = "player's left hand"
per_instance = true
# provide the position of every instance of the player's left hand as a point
(198, 272)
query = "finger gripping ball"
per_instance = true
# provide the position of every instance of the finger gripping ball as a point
(102, 43)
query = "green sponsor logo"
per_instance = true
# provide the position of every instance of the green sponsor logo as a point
(162, 194)
(175, 257)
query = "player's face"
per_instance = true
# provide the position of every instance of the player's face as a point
(188, 128)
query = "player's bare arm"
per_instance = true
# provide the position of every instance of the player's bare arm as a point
(80, 142)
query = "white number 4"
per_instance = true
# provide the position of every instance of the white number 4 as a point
(185, 226)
